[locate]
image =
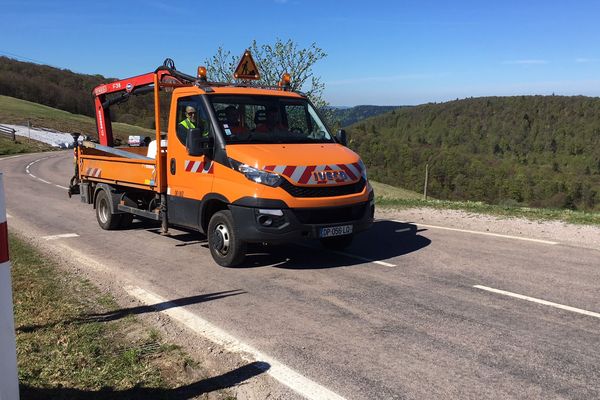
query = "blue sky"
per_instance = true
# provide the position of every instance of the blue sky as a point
(379, 52)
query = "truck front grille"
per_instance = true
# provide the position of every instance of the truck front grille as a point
(323, 191)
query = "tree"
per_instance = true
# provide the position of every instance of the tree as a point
(273, 60)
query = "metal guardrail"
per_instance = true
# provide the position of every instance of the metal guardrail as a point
(8, 132)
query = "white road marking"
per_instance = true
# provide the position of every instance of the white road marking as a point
(539, 301)
(61, 236)
(482, 233)
(284, 374)
(27, 169)
(343, 253)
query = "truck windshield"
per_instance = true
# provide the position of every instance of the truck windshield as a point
(268, 119)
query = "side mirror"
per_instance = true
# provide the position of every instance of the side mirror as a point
(197, 144)
(341, 137)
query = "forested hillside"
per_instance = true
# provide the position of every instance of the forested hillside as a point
(529, 150)
(67, 91)
(351, 115)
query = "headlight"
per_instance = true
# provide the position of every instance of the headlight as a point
(259, 176)
(364, 169)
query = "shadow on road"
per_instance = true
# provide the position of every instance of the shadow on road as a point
(190, 391)
(121, 313)
(384, 241)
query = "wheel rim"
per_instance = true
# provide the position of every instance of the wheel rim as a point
(222, 239)
(103, 211)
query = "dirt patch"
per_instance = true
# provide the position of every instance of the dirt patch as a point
(562, 232)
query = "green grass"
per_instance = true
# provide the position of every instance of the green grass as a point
(21, 145)
(388, 192)
(67, 348)
(18, 112)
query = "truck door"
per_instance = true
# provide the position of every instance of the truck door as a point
(189, 178)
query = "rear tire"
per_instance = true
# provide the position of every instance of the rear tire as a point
(225, 247)
(338, 242)
(106, 219)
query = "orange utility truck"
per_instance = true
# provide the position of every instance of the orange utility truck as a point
(238, 162)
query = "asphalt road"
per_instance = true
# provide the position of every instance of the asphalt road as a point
(397, 317)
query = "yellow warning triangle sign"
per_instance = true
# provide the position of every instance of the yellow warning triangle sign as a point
(246, 69)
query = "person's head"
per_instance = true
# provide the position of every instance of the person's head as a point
(190, 112)
(272, 115)
(233, 116)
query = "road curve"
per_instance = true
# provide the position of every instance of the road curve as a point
(399, 315)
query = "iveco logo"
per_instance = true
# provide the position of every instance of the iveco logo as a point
(330, 175)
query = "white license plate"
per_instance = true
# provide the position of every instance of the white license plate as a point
(330, 231)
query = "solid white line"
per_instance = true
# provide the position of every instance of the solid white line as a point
(61, 236)
(62, 187)
(284, 374)
(42, 180)
(482, 233)
(539, 301)
(343, 253)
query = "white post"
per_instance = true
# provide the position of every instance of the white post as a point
(9, 382)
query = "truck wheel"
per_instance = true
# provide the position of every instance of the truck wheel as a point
(226, 249)
(106, 219)
(338, 242)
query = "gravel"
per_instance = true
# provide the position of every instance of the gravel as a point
(563, 232)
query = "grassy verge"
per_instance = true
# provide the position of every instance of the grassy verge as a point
(73, 341)
(534, 214)
(7, 146)
(18, 112)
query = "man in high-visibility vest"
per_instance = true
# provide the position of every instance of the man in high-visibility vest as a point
(189, 123)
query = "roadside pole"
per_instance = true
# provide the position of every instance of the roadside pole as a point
(9, 383)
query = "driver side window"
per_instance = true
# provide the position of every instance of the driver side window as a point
(190, 115)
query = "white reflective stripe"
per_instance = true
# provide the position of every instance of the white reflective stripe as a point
(2, 201)
(168, 190)
(358, 173)
(187, 163)
(9, 383)
(298, 173)
(279, 169)
(196, 166)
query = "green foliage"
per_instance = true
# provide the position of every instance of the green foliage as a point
(352, 115)
(272, 61)
(539, 151)
(68, 91)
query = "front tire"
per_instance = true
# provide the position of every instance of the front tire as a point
(225, 247)
(106, 219)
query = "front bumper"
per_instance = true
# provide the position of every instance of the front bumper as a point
(299, 224)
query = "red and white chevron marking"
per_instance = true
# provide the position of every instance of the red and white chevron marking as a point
(3, 226)
(94, 172)
(200, 167)
(331, 174)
